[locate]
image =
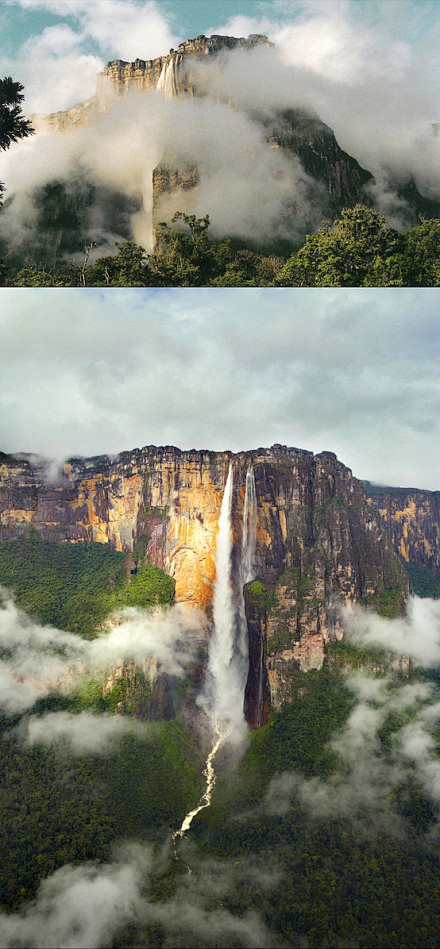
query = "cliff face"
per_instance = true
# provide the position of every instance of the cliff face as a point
(294, 131)
(335, 180)
(316, 537)
(412, 519)
(172, 73)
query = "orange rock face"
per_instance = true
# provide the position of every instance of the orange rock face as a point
(317, 537)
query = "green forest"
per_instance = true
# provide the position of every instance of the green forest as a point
(266, 867)
(357, 249)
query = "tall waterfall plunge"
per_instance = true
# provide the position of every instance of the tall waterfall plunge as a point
(223, 695)
(229, 650)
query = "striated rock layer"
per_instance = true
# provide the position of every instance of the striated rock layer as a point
(412, 519)
(317, 538)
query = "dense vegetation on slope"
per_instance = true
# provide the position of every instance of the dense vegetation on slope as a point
(359, 249)
(326, 880)
(76, 586)
(424, 583)
(357, 874)
(58, 808)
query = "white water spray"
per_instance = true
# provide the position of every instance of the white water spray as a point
(167, 82)
(228, 653)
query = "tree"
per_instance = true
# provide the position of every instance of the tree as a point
(360, 249)
(13, 125)
(182, 256)
(127, 268)
(421, 254)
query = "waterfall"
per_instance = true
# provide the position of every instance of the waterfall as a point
(228, 660)
(228, 654)
(248, 573)
(249, 528)
(167, 82)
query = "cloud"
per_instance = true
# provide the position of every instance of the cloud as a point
(121, 28)
(367, 83)
(416, 635)
(36, 660)
(351, 371)
(371, 768)
(91, 905)
(83, 734)
(249, 189)
(350, 77)
(371, 74)
(81, 906)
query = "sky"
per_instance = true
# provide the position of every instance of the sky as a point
(56, 47)
(349, 371)
(378, 57)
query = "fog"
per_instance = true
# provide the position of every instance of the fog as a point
(84, 733)
(387, 740)
(367, 85)
(249, 189)
(36, 660)
(88, 905)
(389, 737)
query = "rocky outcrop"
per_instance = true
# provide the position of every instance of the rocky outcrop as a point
(329, 180)
(143, 692)
(317, 538)
(412, 520)
(172, 72)
(328, 169)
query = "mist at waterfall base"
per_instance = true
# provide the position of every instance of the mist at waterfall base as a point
(93, 904)
(244, 185)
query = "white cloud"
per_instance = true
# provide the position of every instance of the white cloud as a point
(90, 905)
(82, 906)
(416, 635)
(39, 659)
(82, 734)
(350, 371)
(367, 779)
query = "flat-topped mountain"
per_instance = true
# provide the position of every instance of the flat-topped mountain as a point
(317, 537)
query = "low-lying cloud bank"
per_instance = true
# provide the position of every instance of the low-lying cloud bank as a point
(416, 635)
(83, 734)
(249, 190)
(36, 660)
(390, 737)
(90, 905)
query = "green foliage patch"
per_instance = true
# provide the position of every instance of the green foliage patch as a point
(75, 586)
(57, 808)
(358, 248)
(423, 581)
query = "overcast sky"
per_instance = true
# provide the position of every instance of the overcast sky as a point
(349, 371)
